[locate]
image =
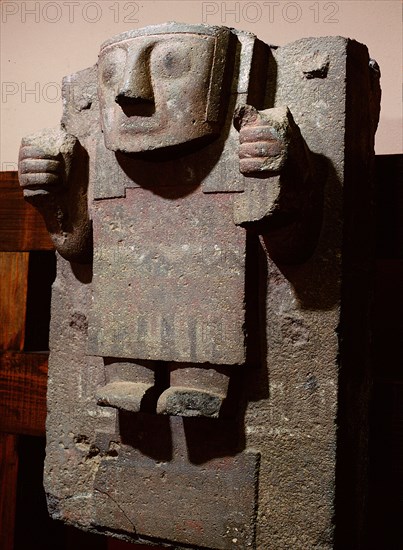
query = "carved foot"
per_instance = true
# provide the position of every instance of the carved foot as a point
(183, 401)
(126, 396)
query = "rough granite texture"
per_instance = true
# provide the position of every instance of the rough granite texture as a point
(208, 375)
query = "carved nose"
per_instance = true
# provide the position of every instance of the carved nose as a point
(134, 96)
(136, 87)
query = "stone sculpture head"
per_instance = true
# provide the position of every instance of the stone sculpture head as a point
(162, 86)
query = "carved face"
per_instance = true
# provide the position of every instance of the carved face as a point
(154, 91)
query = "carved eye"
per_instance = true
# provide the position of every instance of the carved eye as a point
(171, 60)
(108, 73)
(111, 66)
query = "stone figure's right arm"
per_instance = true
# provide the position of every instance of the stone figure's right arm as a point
(53, 172)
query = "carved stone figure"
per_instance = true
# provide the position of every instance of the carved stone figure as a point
(159, 294)
(189, 159)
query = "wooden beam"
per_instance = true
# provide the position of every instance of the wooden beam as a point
(8, 484)
(13, 299)
(23, 381)
(21, 226)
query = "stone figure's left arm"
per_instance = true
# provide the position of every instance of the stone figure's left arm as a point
(283, 194)
(53, 172)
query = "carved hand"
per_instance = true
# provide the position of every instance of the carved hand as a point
(44, 162)
(263, 138)
(53, 172)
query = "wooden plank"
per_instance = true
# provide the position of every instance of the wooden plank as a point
(23, 381)
(13, 298)
(8, 484)
(21, 226)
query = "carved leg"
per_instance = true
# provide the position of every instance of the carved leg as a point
(127, 384)
(194, 391)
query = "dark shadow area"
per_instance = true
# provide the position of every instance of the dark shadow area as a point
(369, 476)
(293, 231)
(133, 106)
(271, 82)
(83, 272)
(389, 206)
(150, 434)
(255, 297)
(34, 529)
(41, 274)
(208, 438)
(316, 281)
(161, 383)
(255, 379)
(385, 528)
(356, 314)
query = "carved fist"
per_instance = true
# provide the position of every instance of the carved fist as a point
(45, 161)
(263, 137)
(53, 172)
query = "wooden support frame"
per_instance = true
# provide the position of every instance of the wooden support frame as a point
(23, 376)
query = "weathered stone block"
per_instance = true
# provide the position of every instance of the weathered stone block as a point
(209, 197)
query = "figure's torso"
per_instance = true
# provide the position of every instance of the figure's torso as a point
(169, 278)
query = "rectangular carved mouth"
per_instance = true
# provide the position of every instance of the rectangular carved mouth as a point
(133, 106)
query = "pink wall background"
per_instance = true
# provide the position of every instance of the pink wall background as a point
(41, 41)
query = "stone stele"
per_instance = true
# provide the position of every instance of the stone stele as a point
(210, 197)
